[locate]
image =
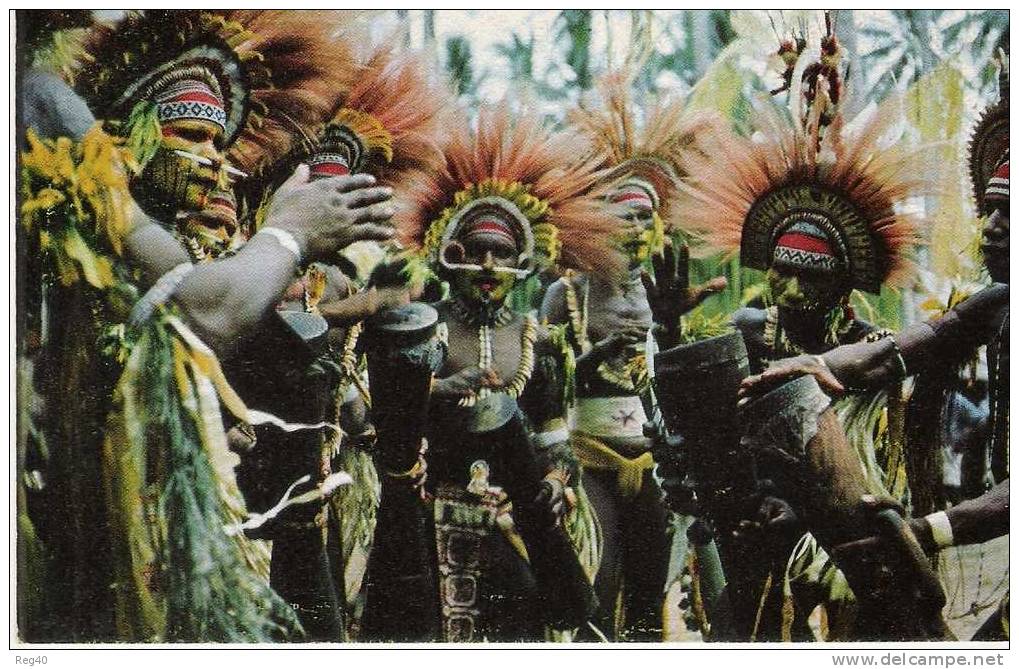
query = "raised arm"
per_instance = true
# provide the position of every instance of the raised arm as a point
(225, 300)
(868, 365)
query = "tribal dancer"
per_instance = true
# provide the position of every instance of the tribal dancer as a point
(819, 211)
(176, 88)
(386, 121)
(608, 321)
(980, 319)
(392, 121)
(510, 200)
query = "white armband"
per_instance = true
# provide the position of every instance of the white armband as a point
(546, 439)
(941, 529)
(159, 293)
(285, 239)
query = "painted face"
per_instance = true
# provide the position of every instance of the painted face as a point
(171, 182)
(995, 245)
(641, 232)
(212, 230)
(798, 289)
(488, 269)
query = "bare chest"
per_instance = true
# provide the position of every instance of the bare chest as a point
(466, 342)
(609, 309)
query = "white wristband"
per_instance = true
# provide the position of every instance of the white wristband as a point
(546, 439)
(941, 529)
(285, 239)
(161, 291)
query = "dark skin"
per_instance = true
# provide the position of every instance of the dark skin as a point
(973, 521)
(618, 320)
(218, 299)
(995, 249)
(619, 316)
(460, 375)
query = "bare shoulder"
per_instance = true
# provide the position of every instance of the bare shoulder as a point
(749, 320)
(553, 304)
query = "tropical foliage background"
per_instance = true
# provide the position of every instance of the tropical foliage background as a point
(942, 61)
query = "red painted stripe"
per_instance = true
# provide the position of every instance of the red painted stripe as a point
(802, 242)
(488, 226)
(194, 96)
(332, 169)
(628, 196)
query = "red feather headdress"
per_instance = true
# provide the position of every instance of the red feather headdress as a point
(648, 148)
(274, 73)
(743, 193)
(392, 120)
(546, 181)
(311, 69)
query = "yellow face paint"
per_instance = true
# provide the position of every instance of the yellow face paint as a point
(797, 290)
(171, 182)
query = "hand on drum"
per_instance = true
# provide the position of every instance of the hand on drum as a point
(869, 547)
(772, 522)
(549, 502)
(781, 371)
(465, 383)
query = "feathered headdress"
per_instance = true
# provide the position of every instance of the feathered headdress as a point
(390, 121)
(646, 151)
(266, 73)
(836, 202)
(541, 180)
(310, 71)
(989, 142)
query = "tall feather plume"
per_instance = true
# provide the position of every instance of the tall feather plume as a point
(293, 69)
(728, 173)
(409, 101)
(616, 130)
(559, 169)
(310, 70)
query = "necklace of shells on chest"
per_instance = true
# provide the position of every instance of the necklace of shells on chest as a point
(486, 326)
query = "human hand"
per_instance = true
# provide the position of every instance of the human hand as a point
(390, 298)
(326, 215)
(872, 545)
(550, 499)
(623, 337)
(669, 294)
(465, 383)
(772, 522)
(785, 370)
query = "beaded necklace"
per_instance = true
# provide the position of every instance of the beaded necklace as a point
(525, 367)
(615, 372)
(578, 313)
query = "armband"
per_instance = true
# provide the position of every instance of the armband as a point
(941, 529)
(546, 439)
(159, 293)
(285, 239)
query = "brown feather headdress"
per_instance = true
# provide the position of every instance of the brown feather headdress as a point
(273, 72)
(649, 148)
(310, 70)
(546, 181)
(989, 142)
(743, 193)
(391, 120)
